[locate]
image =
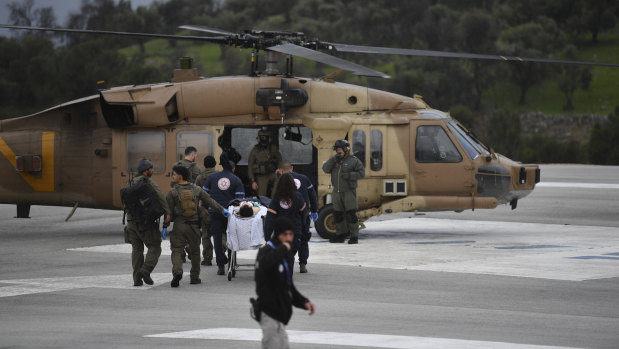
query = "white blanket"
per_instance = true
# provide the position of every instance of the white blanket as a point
(246, 233)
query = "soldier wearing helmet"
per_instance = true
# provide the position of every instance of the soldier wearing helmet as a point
(262, 163)
(345, 170)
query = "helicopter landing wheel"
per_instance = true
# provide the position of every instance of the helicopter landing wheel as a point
(325, 225)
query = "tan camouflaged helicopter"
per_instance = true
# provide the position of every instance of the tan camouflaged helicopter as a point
(416, 158)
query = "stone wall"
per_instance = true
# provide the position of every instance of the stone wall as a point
(561, 127)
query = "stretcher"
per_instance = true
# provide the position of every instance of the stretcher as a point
(244, 233)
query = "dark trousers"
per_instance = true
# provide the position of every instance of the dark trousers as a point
(304, 240)
(296, 244)
(219, 224)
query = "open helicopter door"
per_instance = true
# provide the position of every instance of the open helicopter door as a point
(438, 164)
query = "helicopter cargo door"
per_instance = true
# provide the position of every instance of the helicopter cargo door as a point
(438, 166)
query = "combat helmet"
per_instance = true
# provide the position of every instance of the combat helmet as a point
(261, 137)
(342, 143)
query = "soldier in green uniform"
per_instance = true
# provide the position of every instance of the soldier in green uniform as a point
(345, 170)
(189, 162)
(183, 200)
(207, 245)
(139, 235)
(262, 163)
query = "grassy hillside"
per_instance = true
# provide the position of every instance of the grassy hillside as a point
(601, 98)
(161, 55)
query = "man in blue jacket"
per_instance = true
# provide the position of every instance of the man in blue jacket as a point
(276, 291)
(223, 187)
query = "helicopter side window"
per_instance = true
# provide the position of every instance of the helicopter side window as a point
(295, 144)
(147, 144)
(201, 140)
(358, 145)
(244, 140)
(376, 150)
(433, 145)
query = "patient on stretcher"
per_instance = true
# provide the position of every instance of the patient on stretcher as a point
(247, 209)
(245, 226)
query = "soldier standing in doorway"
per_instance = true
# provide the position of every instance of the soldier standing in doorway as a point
(263, 160)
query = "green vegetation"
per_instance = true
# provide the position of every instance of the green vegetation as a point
(39, 70)
(600, 98)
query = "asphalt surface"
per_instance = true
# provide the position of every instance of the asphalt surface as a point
(545, 274)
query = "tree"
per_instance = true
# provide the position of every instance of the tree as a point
(25, 14)
(534, 39)
(476, 35)
(603, 148)
(599, 15)
(572, 77)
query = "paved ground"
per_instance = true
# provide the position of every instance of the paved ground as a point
(543, 275)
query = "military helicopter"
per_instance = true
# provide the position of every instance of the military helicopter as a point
(416, 158)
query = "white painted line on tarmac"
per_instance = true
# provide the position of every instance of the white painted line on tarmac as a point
(347, 339)
(22, 287)
(578, 185)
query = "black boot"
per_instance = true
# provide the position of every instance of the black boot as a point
(302, 268)
(353, 241)
(147, 279)
(177, 277)
(221, 270)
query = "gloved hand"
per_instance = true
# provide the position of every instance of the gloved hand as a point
(226, 213)
(164, 233)
(314, 216)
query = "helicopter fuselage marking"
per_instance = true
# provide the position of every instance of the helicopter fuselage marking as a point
(46, 181)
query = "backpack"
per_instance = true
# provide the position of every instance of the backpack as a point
(189, 205)
(142, 202)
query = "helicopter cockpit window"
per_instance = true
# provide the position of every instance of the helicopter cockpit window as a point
(433, 145)
(461, 133)
(295, 144)
(358, 145)
(376, 150)
(203, 141)
(147, 144)
(464, 141)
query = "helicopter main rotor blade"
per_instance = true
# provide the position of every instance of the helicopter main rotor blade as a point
(427, 53)
(204, 29)
(317, 56)
(214, 39)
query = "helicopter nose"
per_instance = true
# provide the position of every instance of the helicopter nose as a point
(524, 178)
(507, 181)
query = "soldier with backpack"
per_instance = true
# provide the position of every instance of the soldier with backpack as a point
(143, 204)
(183, 200)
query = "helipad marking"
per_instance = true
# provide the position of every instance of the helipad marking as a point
(441, 242)
(528, 247)
(578, 185)
(32, 286)
(435, 248)
(595, 257)
(347, 339)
